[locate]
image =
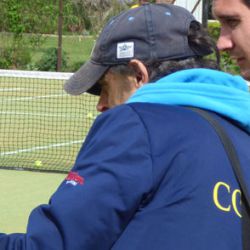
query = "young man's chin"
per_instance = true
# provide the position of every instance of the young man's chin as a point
(245, 73)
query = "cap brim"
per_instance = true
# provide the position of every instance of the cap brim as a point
(85, 79)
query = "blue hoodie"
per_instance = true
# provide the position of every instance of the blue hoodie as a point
(152, 174)
(204, 88)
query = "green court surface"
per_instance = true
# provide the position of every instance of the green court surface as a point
(21, 191)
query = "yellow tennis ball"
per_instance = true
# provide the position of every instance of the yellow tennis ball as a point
(38, 163)
(90, 115)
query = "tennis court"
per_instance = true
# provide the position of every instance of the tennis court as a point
(41, 127)
(21, 192)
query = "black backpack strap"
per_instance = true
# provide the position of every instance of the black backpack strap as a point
(233, 157)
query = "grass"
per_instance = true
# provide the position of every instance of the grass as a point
(77, 48)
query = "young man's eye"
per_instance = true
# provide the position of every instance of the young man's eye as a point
(232, 23)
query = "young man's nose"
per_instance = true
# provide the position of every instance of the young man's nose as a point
(225, 42)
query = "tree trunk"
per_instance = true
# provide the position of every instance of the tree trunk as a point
(59, 48)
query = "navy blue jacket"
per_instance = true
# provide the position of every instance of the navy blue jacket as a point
(149, 176)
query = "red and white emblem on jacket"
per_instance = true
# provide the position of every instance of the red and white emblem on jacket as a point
(74, 178)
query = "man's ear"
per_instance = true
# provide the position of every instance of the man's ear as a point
(142, 76)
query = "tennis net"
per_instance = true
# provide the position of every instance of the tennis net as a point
(41, 127)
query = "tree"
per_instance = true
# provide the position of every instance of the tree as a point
(21, 17)
(27, 21)
(97, 11)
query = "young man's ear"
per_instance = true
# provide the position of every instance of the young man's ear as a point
(142, 76)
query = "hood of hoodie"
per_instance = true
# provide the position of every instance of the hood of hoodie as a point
(213, 90)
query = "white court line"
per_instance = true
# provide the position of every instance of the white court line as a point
(10, 89)
(35, 74)
(38, 114)
(33, 97)
(27, 150)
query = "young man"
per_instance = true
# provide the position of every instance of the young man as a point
(234, 16)
(152, 174)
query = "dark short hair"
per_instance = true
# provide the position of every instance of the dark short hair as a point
(198, 39)
(247, 2)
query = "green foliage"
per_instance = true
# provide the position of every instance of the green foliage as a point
(227, 64)
(75, 66)
(5, 58)
(214, 29)
(48, 62)
(20, 57)
(41, 16)
(27, 22)
(20, 17)
(14, 57)
(14, 17)
(25, 16)
(77, 48)
(94, 13)
(74, 18)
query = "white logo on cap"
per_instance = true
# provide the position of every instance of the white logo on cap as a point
(125, 50)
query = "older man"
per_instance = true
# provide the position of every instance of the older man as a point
(234, 16)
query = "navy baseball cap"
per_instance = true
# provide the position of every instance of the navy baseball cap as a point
(151, 32)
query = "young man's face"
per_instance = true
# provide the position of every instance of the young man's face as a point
(116, 89)
(234, 17)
